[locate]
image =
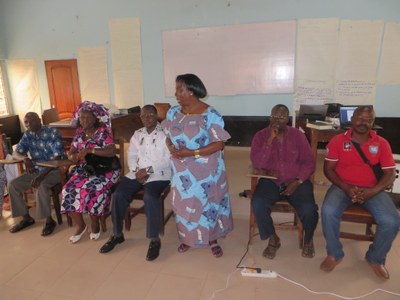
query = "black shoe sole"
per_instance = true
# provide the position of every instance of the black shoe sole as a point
(110, 246)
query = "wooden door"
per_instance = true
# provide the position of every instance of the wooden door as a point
(63, 82)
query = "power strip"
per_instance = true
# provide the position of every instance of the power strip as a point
(249, 272)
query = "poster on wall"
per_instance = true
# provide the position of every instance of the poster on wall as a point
(389, 67)
(316, 55)
(356, 68)
(233, 59)
(93, 74)
(24, 87)
(126, 62)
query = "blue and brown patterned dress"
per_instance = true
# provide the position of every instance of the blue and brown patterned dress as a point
(200, 197)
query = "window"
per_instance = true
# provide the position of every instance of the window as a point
(3, 94)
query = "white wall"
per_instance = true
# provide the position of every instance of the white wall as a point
(55, 29)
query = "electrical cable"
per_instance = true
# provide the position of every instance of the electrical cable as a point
(238, 266)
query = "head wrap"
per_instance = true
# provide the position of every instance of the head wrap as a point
(98, 110)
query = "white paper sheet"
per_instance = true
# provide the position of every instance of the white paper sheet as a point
(389, 68)
(93, 74)
(126, 62)
(24, 87)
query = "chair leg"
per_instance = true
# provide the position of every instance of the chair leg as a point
(57, 208)
(252, 225)
(300, 231)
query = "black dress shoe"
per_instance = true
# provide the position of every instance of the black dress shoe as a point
(154, 250)
(48, 228)
(22, 225)
(111, 243)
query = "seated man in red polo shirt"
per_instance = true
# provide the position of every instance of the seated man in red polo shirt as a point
(353, 181)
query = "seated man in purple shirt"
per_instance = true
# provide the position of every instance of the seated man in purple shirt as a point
(284, 152)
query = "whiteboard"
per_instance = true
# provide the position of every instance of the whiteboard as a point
(235, 59)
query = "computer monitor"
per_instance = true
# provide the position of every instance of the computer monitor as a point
(345, 114)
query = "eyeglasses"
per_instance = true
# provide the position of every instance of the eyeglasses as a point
(145, 116)
(278, 118)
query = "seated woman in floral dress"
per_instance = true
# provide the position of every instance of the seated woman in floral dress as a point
(83, 193)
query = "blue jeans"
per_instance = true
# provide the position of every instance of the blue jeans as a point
(382, 209)
(123, 196)
(267, 193)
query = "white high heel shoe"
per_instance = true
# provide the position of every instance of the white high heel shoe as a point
(95, 236)
(75, 238)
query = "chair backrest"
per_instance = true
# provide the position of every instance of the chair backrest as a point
(50, 116)
(121, 153)
(162, 109)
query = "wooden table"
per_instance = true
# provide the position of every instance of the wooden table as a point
(122, 126)
(316, 136)
(56, 163)
(61, 164)
(10, 161)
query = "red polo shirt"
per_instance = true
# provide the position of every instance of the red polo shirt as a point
(350, 166)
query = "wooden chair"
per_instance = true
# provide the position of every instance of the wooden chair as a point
(50, 116)
(281, 206)
(134, 211)
(54, 192)
(357, 214)
(162, 109)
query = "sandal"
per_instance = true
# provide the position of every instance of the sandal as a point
(216, 250)
(270, 251)
(308, 250)
(183, 248)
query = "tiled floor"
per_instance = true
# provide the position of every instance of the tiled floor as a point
(34, 267)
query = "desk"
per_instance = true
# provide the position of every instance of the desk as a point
(58, 163)
(316, 136)
(10, 161)
(122, 126)
(61, 164)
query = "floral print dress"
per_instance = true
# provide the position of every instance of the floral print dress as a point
(92, 195)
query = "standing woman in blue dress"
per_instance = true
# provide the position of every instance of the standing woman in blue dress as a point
(200, 197)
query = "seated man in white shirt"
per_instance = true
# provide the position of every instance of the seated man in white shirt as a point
(149, 168)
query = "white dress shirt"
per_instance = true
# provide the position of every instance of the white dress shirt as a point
(149, 150)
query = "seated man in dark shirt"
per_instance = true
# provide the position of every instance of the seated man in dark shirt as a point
(283, 151)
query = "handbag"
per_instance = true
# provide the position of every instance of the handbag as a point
(99, 165)
(377, 169)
